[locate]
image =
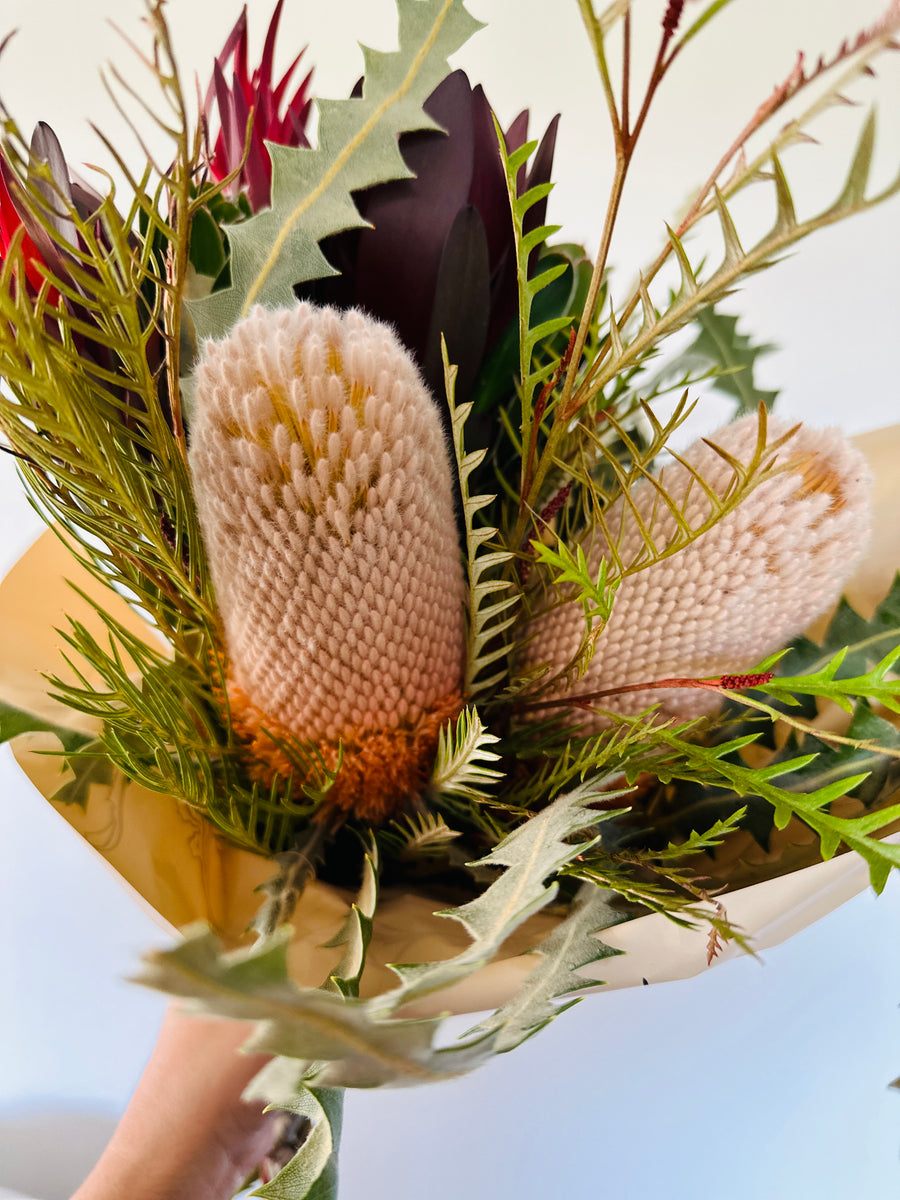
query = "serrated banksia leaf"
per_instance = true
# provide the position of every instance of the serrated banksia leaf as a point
(324, 492)
(737, 593)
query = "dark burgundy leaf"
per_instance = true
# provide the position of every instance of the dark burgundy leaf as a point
(461, 305)
(398, 261)
(488, 191)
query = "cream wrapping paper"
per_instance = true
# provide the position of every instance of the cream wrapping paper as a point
(177, 866)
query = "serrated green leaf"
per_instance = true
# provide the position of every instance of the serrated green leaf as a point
(87, 769)
(460, 764)
(529, 287)
(312, 1174)
(720, 766)
(595, 595)
(356, 933)
(570, 948)
(696, 294)
(732, 356)
(358, 148)
(531, 854)
(16, 721)
(826, 682)
(560, 299)
(484, 627)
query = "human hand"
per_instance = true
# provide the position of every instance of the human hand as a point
(186, 1134)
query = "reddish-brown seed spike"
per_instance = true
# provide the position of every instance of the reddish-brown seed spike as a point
(734, 683)
(550, 510)
(672, 17)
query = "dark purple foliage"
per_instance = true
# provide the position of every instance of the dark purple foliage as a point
(440, 256)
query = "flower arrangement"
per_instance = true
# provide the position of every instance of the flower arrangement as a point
(395, 591)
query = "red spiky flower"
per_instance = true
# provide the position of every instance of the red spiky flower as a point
(10, 223)
(273, 119)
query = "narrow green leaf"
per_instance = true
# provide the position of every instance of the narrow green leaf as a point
(734, 251)
(689, 285)
(786, 219)
(853, 193)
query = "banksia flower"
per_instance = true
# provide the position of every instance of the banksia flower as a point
(740, 591)
(324, 492)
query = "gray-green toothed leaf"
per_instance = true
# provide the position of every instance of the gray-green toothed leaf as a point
(312, 1173)
(571, 947)
(531, 854)
(358, 148)
(350, 1045)
(354, 1043)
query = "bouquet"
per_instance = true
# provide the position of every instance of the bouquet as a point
(404, 628)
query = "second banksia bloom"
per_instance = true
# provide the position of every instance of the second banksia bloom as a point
(325, 496)
(741, 590)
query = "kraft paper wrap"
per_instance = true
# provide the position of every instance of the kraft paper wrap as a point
(174, 863)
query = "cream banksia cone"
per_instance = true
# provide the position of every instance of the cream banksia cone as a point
(740, 591)
(324, 492)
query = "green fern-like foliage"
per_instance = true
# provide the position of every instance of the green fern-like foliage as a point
(531, 376)
(697, 291)
(489, 620)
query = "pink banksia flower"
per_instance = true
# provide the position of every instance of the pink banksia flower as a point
(740, 591)
(324, 492)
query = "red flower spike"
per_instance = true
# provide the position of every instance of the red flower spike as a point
(734, 683)
(10, 222)
(270, 124)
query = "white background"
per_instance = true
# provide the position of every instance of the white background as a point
(750, 1081)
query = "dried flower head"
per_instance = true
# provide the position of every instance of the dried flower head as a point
(325, 495)
(740, 591)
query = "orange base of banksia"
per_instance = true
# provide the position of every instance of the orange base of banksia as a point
(381, 769)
